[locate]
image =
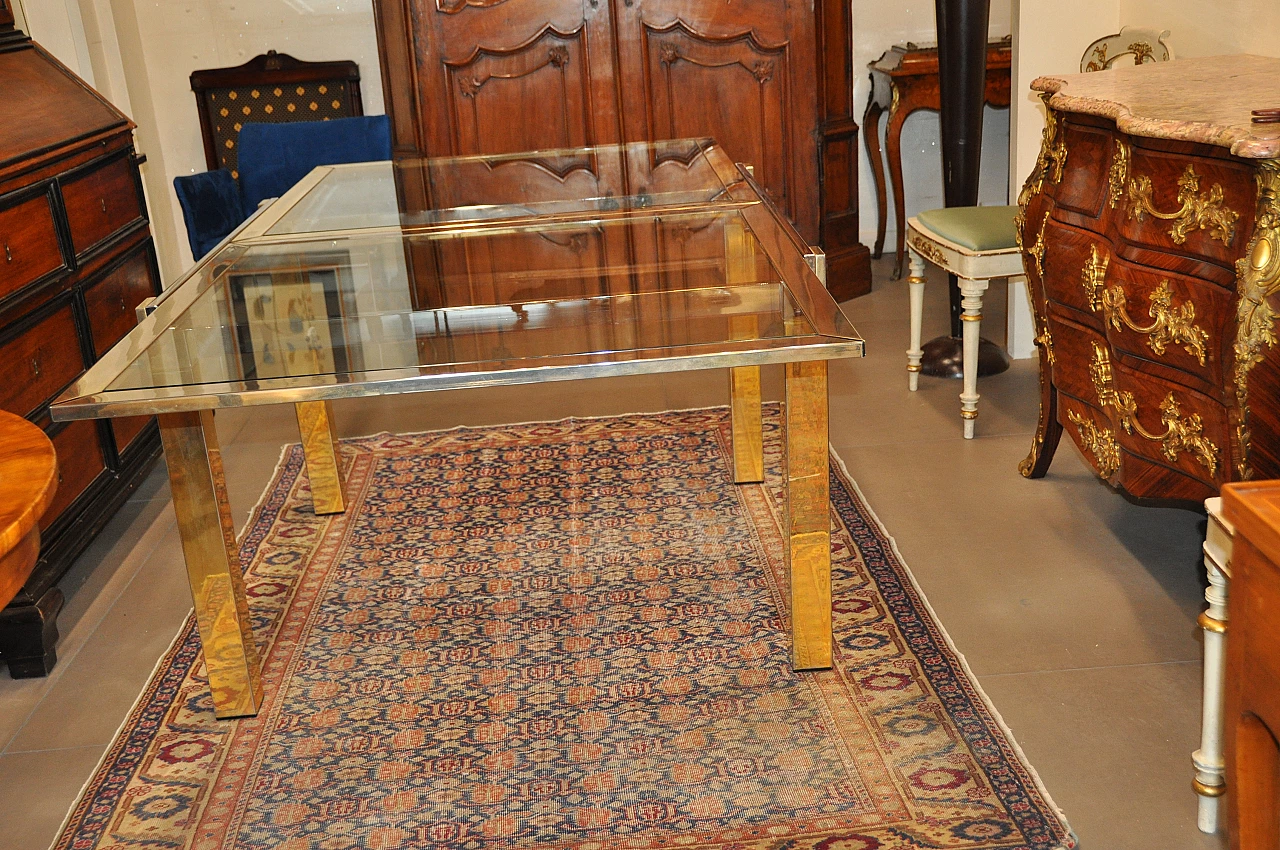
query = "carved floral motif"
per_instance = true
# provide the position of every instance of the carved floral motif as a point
(1100, 442)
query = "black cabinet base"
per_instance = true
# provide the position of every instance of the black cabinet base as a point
(28, 626)
(29, 636)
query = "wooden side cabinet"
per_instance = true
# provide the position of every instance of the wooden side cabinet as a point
(1253, 667)
(76, 257)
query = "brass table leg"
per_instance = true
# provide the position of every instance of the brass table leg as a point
(808, 528)
(213, 562)
(320, 445)
(747, 426)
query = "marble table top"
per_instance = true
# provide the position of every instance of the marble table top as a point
(1204, 99)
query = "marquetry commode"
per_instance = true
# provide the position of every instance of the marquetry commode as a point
(1150, 228)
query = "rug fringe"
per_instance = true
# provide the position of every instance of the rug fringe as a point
(964, 663)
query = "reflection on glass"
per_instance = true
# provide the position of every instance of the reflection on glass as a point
(649, 285)
(418, 193)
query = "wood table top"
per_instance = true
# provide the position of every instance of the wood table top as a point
(28, 478)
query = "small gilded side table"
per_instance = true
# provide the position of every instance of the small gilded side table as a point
(904, 79)
(28, 480)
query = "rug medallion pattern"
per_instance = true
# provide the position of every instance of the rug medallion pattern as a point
(566, 635)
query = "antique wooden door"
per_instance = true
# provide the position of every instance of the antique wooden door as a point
(741, 72)
(503, 76)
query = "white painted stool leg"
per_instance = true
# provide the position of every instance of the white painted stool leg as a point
(915, 285)
(1208, 760)
(971, 303)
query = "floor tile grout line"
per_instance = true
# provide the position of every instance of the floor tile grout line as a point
(1088, 669)
(65, 663)
(94, 747)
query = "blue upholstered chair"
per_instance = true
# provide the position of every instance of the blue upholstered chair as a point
(211, 208)
(273, 157)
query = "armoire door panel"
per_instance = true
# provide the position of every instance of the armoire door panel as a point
(514, 75)
(737, 73)
(740, 98)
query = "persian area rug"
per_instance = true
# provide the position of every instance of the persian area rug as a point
(566, 635)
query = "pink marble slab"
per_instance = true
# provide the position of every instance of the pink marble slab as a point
(1206, 99)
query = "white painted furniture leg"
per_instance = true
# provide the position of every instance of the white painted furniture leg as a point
(1021, 330)
(915, 284)
(971, 303)
(1208, 760)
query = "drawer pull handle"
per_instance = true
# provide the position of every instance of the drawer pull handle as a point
(1171, 324)
(1100, 442)
(1182, 434)
(122, 306)
(35, 367)
(1198, 211)
(8, 254)
(103, 203)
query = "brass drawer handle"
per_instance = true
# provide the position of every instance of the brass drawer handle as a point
(1170, 324)
(8, 254)
(1198, 211)
(103, 203)
(35, 366)
(1181, 433)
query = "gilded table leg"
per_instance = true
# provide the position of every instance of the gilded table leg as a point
(747, 427)
(808, 546)
(213, 562)
(315, 423)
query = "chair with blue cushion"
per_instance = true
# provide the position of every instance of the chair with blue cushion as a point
(975, 244)
(211, 208)
(272, 158)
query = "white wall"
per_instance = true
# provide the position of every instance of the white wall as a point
(877, 26)
(140, 54)
(62, 31)
(1047, 42)
(1200, 28)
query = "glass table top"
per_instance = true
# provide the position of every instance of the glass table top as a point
(514, 269)
(447, 192)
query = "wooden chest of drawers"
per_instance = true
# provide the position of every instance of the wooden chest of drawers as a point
(1152, 258)
(76, 258)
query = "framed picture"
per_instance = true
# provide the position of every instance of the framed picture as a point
(291, 320)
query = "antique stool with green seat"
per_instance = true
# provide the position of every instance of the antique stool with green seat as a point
(975, 244)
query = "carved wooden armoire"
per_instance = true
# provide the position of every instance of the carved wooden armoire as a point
(76, 257)
(769, 80)
(1151, 234)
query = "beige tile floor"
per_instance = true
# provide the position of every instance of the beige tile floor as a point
(1075, 608)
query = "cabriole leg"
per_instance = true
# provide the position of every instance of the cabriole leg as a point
(808, 544)
(971, 303)
(320, 446)
(915, 285)
(213, 562)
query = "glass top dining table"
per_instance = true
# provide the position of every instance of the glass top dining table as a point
(437, 274)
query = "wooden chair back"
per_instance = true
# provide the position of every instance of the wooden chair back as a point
(1140, 44)
(273, 88)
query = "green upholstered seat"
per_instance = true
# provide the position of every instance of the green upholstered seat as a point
(975, 228)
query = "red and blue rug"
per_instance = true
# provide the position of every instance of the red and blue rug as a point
(566, 635)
